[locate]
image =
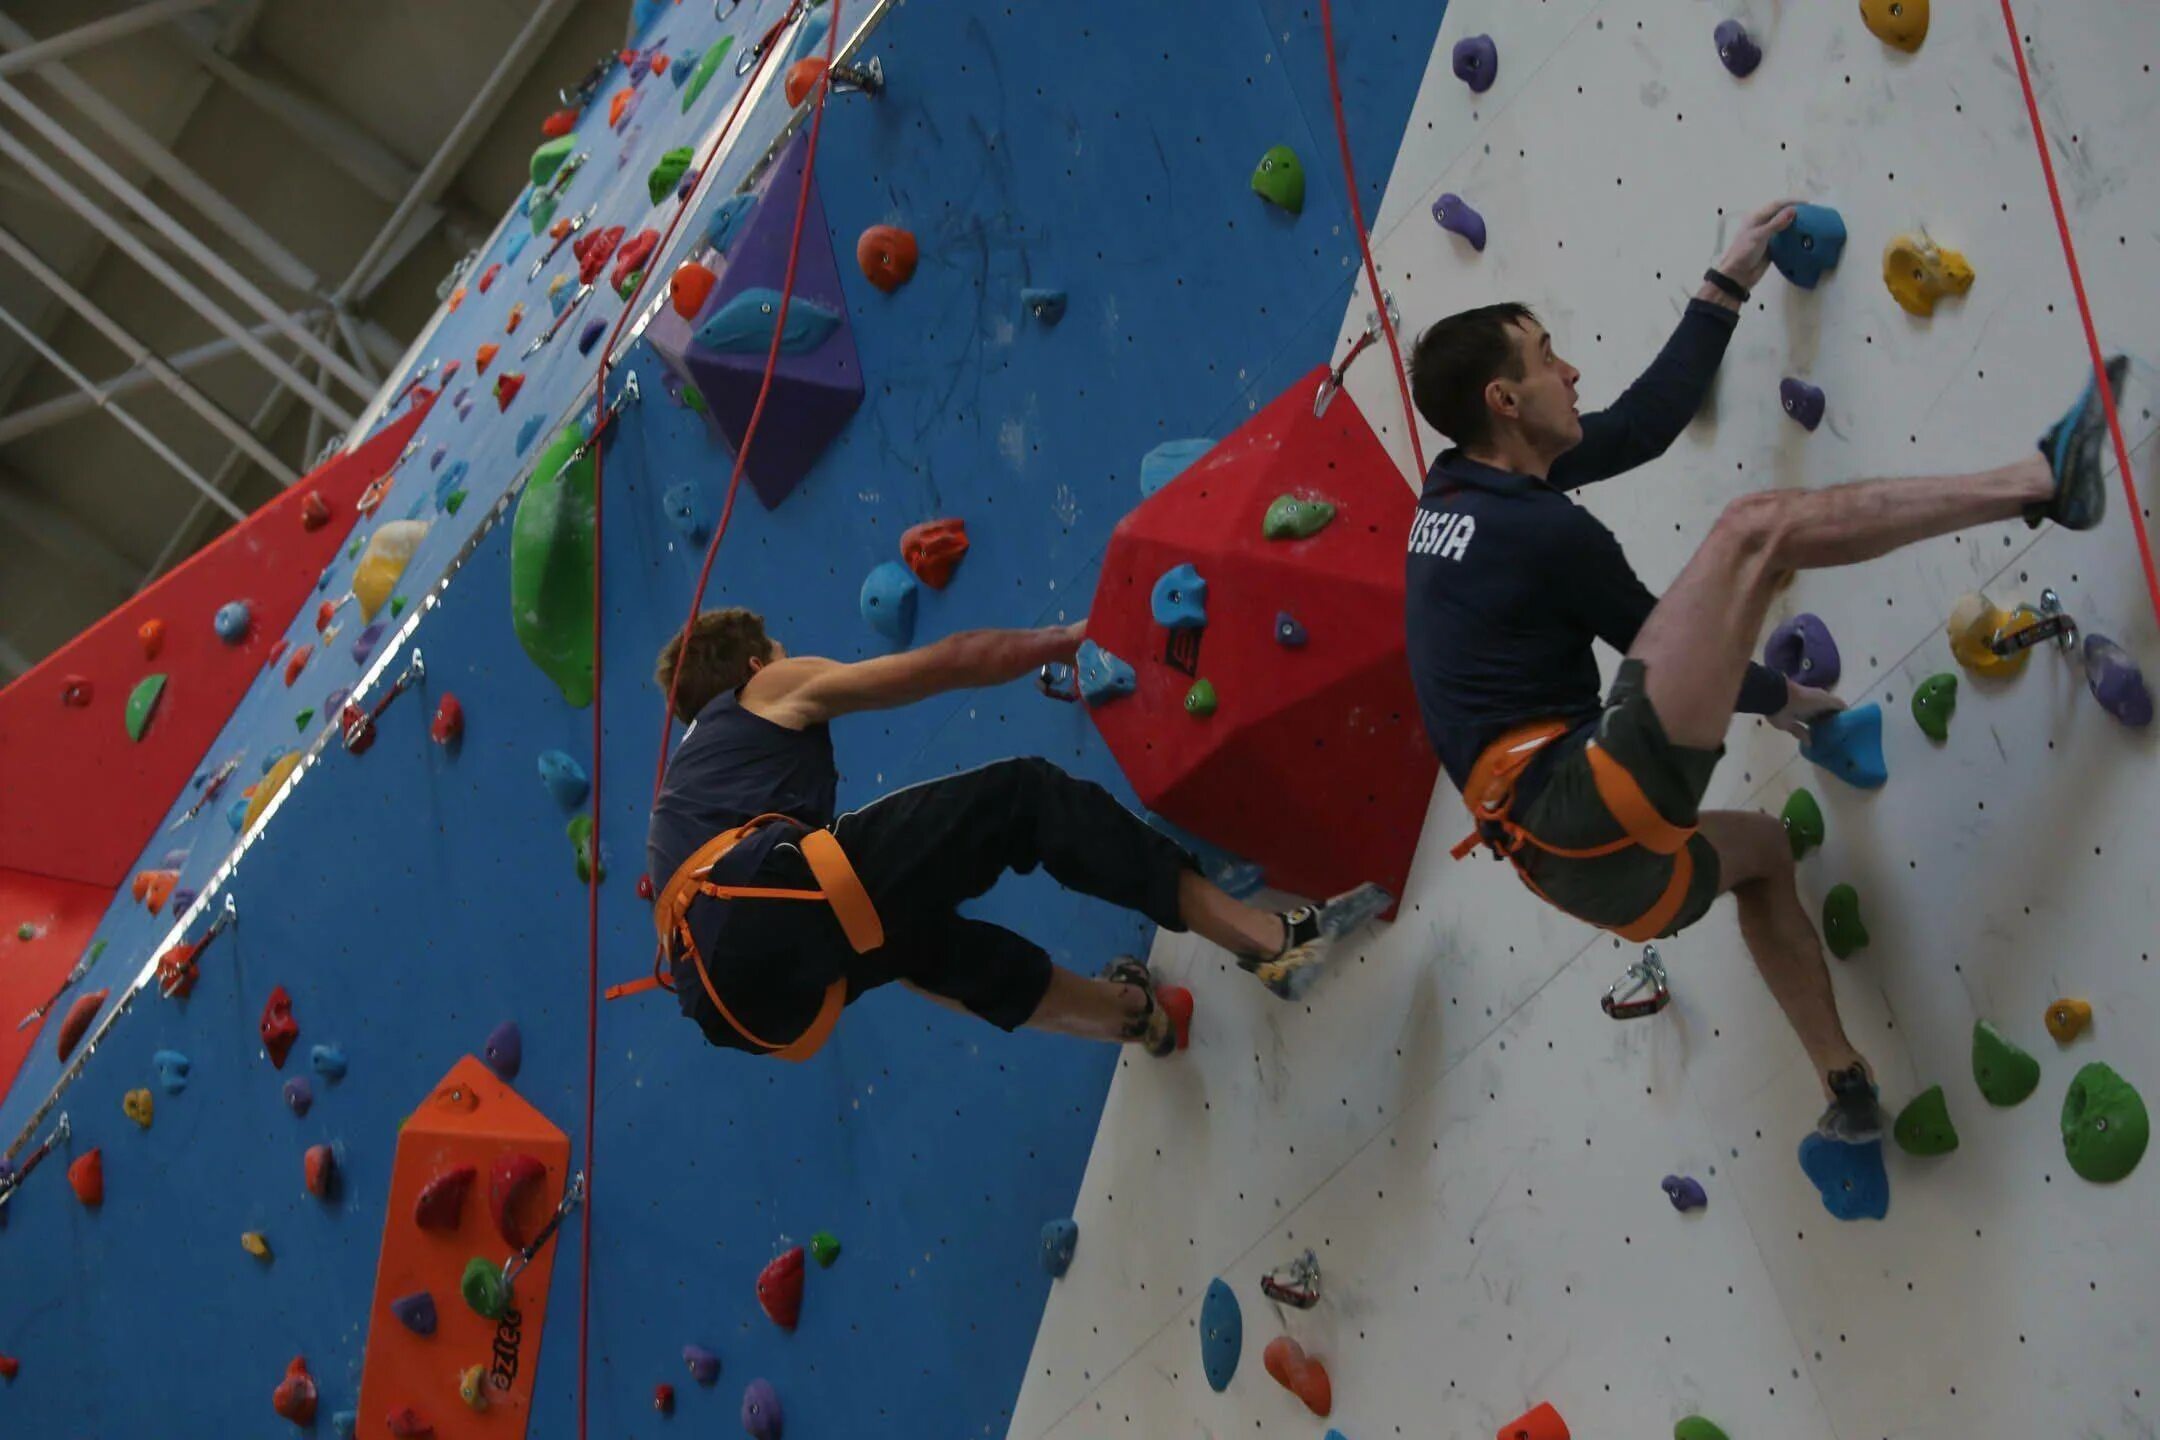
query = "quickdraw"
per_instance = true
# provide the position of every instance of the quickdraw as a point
(1641, 989)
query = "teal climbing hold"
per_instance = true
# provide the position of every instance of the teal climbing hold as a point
(888, 602)
(551, 564)
(1934, 701)
(1279, 179)
(1293, 517)
(1848, 744)
(2004, 1073)
(1222, 1335)
(1842, 930)
(2104, 1125)
(1179, 600)
(549, 158)
(745, 324)
(1103, 676)
(1803, 822)
(1923, 1127)
(727, 220)
(1850, 1178)
(707, 66)
(1169, 460)
(1059, 1239)
(667, 174)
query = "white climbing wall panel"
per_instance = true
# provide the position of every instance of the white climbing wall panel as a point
(1472, 1148)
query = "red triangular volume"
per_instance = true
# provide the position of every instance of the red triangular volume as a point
(779, 1289)
(510, 1180)
(442, 1200)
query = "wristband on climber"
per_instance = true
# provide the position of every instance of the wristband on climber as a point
(1727, 284)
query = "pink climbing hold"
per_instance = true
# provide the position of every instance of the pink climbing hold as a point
(295, 1396)
(510, 1181)
(441, 1204)
(279, 1029)
(77, 1023)
(779, 1289)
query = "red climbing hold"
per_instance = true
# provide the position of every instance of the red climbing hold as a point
(314, 512)
(449, 722)
(779, 1289)
(277, 652)
(278, 1027)
(559, 123)
(485, 356)
(592, 250)
(441, 1205)
(515, 318)
(75, 691)
(407, 1423)
(689, 288)
(644, 887)
(632, 255)
(1301, 1374)
(934, 549)
(152, 635)
(1177, 1002)
(87, 1178)
(177, 971)
(1543, 1423)
(295, 1395)
(10, 1367)
(887, 255)
(318, 1170)
(77, 1023)
(510, 1181)
(663, 1399)
(506, 389)
(618, 103)
(154, 887)
(296, 662)
(487, 277)
(801, 76)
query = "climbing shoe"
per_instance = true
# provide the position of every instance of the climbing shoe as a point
(2076, 450)
(1153, 1029)
(1310, 933)
(1854, 1116)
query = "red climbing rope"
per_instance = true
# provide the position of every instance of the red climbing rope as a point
(2092, 335)
(600, 413)
(1357, 220)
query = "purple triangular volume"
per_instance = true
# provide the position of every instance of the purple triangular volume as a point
(814, 395)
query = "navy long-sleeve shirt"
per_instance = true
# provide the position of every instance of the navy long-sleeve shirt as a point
(1510, 581)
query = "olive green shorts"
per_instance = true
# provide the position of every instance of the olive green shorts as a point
(1618, 889)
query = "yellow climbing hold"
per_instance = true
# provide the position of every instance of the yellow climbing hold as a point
(1919, 272)
(1902, 23)
(1974, 621)
(272, 782)
(253, 1242)
(389, 550)
(2067, 1019)
(136, 1105)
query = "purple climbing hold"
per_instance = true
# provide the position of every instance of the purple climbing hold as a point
(416, 1312)
(590, 336)
(505, 1051)
(1801, 649)
(1737, 48)
(762, 1417)
(1477, 62)
(1455, 215)
(1288, 633)
(1802, 401)
(704, 1365)
(2117, 683)
(1685, 1192)
(364, 643)
(299, 1094)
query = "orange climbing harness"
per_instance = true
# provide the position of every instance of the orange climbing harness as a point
(1490, 794)
(838, 886)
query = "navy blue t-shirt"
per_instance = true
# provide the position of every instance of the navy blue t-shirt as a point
(1510, 581)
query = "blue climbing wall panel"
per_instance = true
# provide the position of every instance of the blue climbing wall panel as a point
(411, 898)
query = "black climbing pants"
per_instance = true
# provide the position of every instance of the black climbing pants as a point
(920, 853)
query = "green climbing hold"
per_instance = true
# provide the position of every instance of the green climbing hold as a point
(1933, 703)
(1841, 926)
(629, 284)
(551, 564)
(2004, 1073)
(543, 213)
(397, 606)
(142, 704)
(454, 502)
(2104, 1125)
(1200, 700)
(1923, 1126)
(580, 832)
(707, 66)
(549, 158)
(694, 399)
(1292, 518)
(1696, 1428)
(1803, 821)
(1280, 179)
(824, 1248)
(668, 173)
(483, 1288)
(300, 721)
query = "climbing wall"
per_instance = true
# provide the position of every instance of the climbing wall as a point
(412, 898)
(1470, 1147)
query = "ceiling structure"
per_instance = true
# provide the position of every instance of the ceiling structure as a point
(222, 223)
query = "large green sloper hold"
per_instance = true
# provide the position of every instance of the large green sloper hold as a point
(551, 565)
(2004, 1073)
(702, 75)
(1279, 178)
(549, 158)
(668, 173)
(1803, 821)
(1923, 1126)
(1696, 1428)
(2104, 1125)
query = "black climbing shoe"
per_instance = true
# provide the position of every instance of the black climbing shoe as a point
(1152, 1030)
(1854, 1116)
(1311, 932)
(2076, 450)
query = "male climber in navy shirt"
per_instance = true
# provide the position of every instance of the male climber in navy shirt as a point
(774, 914)
(1509, 582)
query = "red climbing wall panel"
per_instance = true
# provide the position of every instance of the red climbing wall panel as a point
(82, 798)
(470, 1119)
(1314, 763)
(44, 925)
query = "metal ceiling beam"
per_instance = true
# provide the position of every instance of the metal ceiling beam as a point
(62, 534)
(177, 283)
(276, 404)
(128, 422)
(356, 346)
(144, 149)
(158, 368)
(13, 663)
(97, 32)
(457, 147)
(81, 155)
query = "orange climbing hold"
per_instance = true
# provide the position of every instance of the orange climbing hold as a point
(1177, 1001)
(514, 319)
(887, 255)
(934, 549)
(485, 356)
(295, 1396)
(152, 635)
(689, 288)
(616, 105)
(154, 887)
(559, 124)
(2066, 1019)
(457, 298)
(296, 662)
(318, 1170)
(801, 76)
(86, 1177)
(1301, 1374)
(82, 1012)
(1543, 1423)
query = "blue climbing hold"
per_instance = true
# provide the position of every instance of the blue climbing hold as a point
(529, 430)
(745, 324)
(416, 1312)
(1179, 601)
(565, 779)
(1848, 744)
(1048, 306)
(435, 457)
(1233, 875)
(1288, 633)
(588, 337)
(1059, 1237)
(328, 1061)
(812, 33)
(345, 1424)
(888, 602)
(236, 814)
(687, 511)
(276, 754)
(1222, 1335)
(172, 1070)
(1685, 1192)
(1851, 1178)
(447, 483)
(231, 621)
(1808, 247)
(1168, 460)
(1103, 676)
(518, 237)
(727, 221)
(299, 1095)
